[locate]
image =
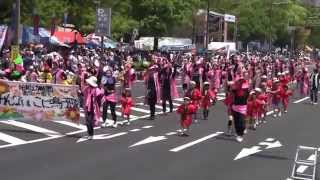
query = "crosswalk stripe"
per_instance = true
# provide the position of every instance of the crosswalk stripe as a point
(10, 139)
(179, 148)
(71, 124)
(120, 114)
(140, 110)
(32, 128)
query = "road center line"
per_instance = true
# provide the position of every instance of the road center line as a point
(179, 148)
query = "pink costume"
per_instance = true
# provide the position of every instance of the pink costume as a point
(187, 73)
(304, 84)
(95, 93)
(129, 77)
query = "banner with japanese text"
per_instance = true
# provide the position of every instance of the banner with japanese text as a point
(38, 101)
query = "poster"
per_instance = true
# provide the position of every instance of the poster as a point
(38, 101)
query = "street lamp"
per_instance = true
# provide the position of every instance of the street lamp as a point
(270, 19)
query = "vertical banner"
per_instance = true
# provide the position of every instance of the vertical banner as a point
(103, 22)
(3, 32)
(14, 52)
(36, 24)
(38, 101)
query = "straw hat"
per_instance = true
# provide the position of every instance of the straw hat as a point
(92, 81)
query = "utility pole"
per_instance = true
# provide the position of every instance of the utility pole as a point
(207, 25)
(17, 30)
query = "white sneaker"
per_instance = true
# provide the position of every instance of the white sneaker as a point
(315, 103)
(239, 138)
(103, 125)
(115, 125)
(245, 131)
(285, 111)
(90, 137)
(274, 115)
(279, 114)
(128, 123)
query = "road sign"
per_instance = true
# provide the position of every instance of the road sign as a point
(14, 52)
(103, 22)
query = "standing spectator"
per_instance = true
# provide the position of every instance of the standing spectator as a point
(315, 80)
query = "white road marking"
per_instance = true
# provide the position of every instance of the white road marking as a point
(171, 133)
(140, 110)
(120, 114)
(135, 130)
(303, 168)
(71, 124)
(10, 139)
(32, 128)
(220, 98)
(147, 127)
(179, 148)
(270, 112)
(300, 100)
(148, 140)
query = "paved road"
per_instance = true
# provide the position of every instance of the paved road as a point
(152, 150)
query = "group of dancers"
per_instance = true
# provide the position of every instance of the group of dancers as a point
(254, 88)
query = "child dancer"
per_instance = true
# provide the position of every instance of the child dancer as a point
(126, 104)
(186, 110)
(285, 94)
(208, 97)
(276, 98)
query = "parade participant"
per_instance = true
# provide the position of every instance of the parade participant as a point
(228, 102)
(239, 106)
(262, 97)
(208, 96)
(126, 104)
(195, 95)
(108, 83)
(129, 76)
(304, 83)
(153, 88)
(285, 94)
(186, 110)
(314, 86)
(276, 97)
(91, 107)
(254, 106)
(186, 76)
(165, 84)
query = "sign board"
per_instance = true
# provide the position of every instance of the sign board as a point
(14, 52)
(38, 101)
(220, 45)
(229, 18)
(103, 22)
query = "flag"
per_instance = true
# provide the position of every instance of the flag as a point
(228, 52)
